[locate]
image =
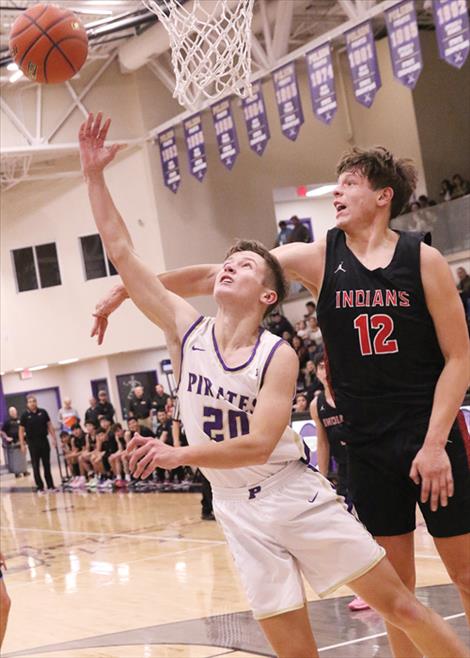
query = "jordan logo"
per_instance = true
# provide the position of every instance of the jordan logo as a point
(340, 268)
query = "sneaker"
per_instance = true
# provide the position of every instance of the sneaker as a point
(358, 604)
(54, 490)
(208, 516)
(92, 484)
(120, 483)
(40, 492)
(81, 482)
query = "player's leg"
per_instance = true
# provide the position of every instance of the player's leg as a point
(46, 463)
(5, 605)
(290, 634)
(455, 553)
(384, 591)
(34, 452)
(400, 552)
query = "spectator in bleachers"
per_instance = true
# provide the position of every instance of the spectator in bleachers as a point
(314, 331)
(68, 415)
(283, 235)
(301, 329)
(301, 403)
(96, 459)
(425, 202)
(446, 190)
(460, 187)
(311, 310)
(278, 324)
(300, 350)
(299, 231)
(119, 460)
(135, 427)
(463, 286)
(91, 414)
(140, 407)
(11, 440)
(66, 448)
(160, 398)
(104, 406)
(84, 460)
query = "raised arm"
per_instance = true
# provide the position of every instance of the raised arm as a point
(269, 420)
(171, 313)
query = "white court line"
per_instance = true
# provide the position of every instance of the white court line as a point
(130, 535)
(371, 637)
(427, 557)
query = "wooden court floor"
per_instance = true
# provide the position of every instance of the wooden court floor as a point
(128, 575)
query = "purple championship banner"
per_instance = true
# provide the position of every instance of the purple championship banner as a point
(169, 159)
(452, 30)
(195, 144)
(363, 63)
(403, 41)
(322, 83)
(254, 111)
(288, 101)
(226, 132)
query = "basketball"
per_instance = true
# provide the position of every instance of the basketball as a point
(48, 43)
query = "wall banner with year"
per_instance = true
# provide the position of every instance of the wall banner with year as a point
(226, 132)
(256, 119)
(288, 100)
(363, 63)
(403, 41)
(169, 159)
(452, 30)
(196, 148)
(322, 83)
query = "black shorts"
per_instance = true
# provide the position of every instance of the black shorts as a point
(385, 497)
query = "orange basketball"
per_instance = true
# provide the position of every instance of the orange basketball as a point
(48, 43)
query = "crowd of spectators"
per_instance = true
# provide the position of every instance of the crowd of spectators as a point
(306, 339)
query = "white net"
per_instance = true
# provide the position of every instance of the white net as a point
(210, 47)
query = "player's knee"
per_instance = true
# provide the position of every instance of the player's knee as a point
(461, 578)
(405, 611)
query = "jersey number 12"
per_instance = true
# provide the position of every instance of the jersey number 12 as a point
(381, 343)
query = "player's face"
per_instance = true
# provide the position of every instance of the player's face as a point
(354, 200)
(321, 372)
(242, 278)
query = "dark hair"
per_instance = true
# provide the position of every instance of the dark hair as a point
(282, 223)
(318, 358)
(382, 169)
(275, 277)
(64, 433)
(116, 427)
(100, 430)
(311, 304)
(76, 426)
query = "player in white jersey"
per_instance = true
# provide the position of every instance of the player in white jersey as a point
(236, 381)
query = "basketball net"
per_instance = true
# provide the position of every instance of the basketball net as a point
(210, 47)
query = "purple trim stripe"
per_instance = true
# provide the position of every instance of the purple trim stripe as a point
(244, 365)
(269, 359)
(183, 343)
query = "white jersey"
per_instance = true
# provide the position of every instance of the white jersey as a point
(216, 402)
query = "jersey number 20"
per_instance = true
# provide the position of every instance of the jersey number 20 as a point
(381, 343)
(214, 423)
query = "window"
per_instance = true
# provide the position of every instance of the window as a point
(36, 267)
(96, 263)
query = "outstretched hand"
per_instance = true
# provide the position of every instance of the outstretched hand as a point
(104, 308)
(94, 155)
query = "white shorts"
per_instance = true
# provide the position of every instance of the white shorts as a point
(292, 523)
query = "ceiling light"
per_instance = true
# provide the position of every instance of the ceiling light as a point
(64, 362)
(12, 66)
(16, 76)
(321, 191)
(34, 368)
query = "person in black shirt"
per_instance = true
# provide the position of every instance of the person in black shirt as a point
(91, 414)
(140, 407)
(35, 424)
(104, 406)
(160, 398)
(278, 324)
(136, 428)
(11, 431)
(164, 432)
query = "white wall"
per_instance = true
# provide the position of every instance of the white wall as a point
(321, 211)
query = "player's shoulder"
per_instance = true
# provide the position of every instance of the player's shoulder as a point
(431, 260)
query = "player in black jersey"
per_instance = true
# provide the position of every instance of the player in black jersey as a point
(409, 289)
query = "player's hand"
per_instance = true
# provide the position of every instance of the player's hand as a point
(146, 454)
(94, 155)
(431, 467)
(104, 308)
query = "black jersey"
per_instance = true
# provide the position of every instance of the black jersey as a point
(333, 422)
(383, 355)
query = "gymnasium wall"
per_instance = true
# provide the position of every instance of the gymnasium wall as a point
(442, 102)
(321, 211)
